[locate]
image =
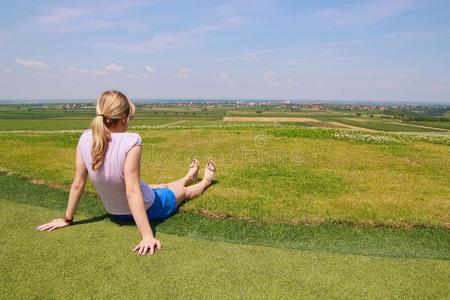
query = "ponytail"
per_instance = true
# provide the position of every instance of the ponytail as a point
(111, 107)
(100, 138)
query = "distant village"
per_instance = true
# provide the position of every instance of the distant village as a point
(290, 105)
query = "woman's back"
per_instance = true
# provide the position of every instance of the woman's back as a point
(109, 178)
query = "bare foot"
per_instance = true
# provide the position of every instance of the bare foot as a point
(192, 173)
(210, 171)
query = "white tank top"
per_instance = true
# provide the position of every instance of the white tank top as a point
(109, 180)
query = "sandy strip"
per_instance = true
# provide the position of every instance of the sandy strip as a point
(350, 126)
(271, 119)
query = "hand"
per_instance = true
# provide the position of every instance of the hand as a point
(55, 224)
(146, 245)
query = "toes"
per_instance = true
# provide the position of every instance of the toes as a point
(194, 163)
(210, 165)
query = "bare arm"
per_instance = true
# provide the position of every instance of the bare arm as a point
(74, 197)
(77, 187)
(132, 172)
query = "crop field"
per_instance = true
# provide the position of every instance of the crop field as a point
(302, 205)
(443, 125)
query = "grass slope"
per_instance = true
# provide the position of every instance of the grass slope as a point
(95, 260)
(420, 243)
(309, 177)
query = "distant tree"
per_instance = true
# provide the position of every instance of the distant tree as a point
(358, 114)
(371, 116)
(258, 112)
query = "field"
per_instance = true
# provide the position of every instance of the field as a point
(303, 206)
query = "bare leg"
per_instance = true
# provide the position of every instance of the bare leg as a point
(189, 178)
(186, 193)
(196, 189)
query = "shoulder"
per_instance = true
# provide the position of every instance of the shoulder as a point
(132, 137)
(86, 135)
(129, 140)
(87, 132)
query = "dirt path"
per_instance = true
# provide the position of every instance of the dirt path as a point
(271, 119)
(350, 126)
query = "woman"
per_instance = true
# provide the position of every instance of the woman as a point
(112, 158)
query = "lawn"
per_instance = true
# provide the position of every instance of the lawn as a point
(443, 125)
(93, 257)
(266, 175)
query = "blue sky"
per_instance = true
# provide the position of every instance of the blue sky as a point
(354, 50)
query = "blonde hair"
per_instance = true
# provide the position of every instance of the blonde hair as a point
(111, 107)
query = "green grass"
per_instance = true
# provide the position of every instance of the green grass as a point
(93, 257)
(43, 124)
(55, 118)
(307, 178)
(70, 123)
(418, 243)
(443, 125)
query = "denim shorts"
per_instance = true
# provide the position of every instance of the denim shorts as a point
(164, 206)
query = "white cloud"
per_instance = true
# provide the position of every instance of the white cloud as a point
(292, 82)
(254, 56)
(248, 57)
(319, 83)
(268, 77)
(90, 16)
(363, 13)
(167, 41)
(33, 64)
(163, 42)
(113, 68)
(438, 87)
(271, 78)
(108, 69)
(184, 73)
(150, 69)
(94, 72)
(71, 69)
(223, 77)
(239, 7)
(70, 19)
(150, 72)
(47, 75)
(9, 70)
(61, 16)
(139, 76)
